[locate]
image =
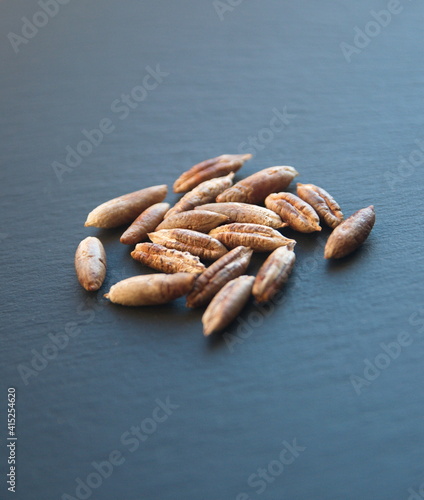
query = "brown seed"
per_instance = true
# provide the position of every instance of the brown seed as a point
(167, 260)
(151, 289)
(144, 224)
(350, 234)
(257, 187)
(258, 238)
(246, 214)
(204, 193)
(323, 203)
(126, 208)
(274, 272)
(296, 212)
(209, 169)
(228, 267)
(227, 304)
(194, 242)
(199, 220)
(90, 263)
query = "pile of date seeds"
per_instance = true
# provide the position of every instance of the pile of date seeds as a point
(219, 221)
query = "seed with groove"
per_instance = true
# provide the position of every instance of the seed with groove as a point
(323, 203)
(274, 272)
(90, 263)
(246, 214)
(296, 212)
(227, 304)
(209, 169)
(258, 238)
(167, 260)
(257, 187)
(194, 242)
(350, 234)
(146, 222)
(151, 289)
(205, 192)
(197, 220)
(124, 209)
(228, 267)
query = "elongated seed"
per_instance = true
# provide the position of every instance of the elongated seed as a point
(255, 236)
(209, 169)
(194, 242)
(167, 260)
(205, 192)
(350, 234)
(274, 272)
(90, 263)
(257, 187)
(228, 267)
(151, 289)
(246, 213)
(227, 304)
(124, 209)
(322, 202)
(296, 212)
(197, 220)
(146, 222)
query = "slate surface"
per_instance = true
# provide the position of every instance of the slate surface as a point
(287, 375)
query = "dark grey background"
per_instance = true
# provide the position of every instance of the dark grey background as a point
(290, 379)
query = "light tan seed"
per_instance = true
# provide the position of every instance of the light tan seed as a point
(227, 304)
(197, 220)
(205, 192)
(151, 289)
(322, 202)
(146, 222)
(167, 260)
(274, 272)
(246, 214)
(258, 238)
(209, 169)
(257, 187)
(90, 263)
(350, 234)
(126, 208)
(296, 212)
(228, 267)
(185, 240)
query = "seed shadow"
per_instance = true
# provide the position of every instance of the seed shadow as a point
(337, 265)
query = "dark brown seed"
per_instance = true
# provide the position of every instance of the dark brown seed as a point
(209, 169)
(228, 267)
(145, 223)
(323, 203)
(257, 187)
(297, 213)
(350, 234)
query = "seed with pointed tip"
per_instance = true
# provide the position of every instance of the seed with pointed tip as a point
(274, 272)
(322, 202)
(205, 192)
(151, 289)
(227, 304)
(124, 209)
(185, 240)
(144, 224)
(209, 169)
(255, 236)
(228, 267)
(246, 213)
(90, 263)
(257, 187)
(196, 220)
(350, 234)
(296, 212)
(167, 260)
